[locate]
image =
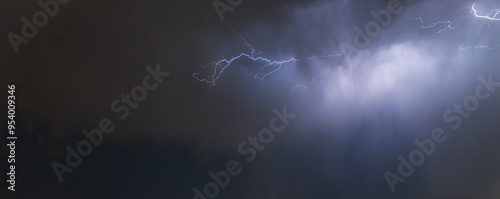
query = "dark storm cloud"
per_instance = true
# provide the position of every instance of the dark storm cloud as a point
(349, 130)
(407, 72)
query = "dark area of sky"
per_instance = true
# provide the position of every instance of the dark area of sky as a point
(339, 99)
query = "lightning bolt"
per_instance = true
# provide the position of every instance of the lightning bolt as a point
(308, 84)
(480, 47)
(494, 12)
(448, 24)
(268, 66)
(488, 17)
(493, 15)
(218, 67)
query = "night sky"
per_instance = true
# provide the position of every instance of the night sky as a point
(348, 99)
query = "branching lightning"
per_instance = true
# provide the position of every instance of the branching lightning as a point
(220, 66)
(488, 17)
(267, 68)
(495, 13)
(307, 85)
(448, 24)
